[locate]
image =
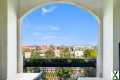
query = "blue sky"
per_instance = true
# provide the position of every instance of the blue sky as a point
(59, 24)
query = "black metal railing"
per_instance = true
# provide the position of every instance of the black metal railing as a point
(60, 63)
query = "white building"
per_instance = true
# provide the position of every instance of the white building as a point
(78, 53)
(42, 53)
(27, 55)
(57, 52)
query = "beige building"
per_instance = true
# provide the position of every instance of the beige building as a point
(78, 54)
(27, 55)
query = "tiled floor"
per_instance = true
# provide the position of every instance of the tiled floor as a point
(27, 76)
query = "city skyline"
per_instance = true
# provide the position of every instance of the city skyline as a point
(59, 24)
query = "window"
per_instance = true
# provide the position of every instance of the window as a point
(60, 41)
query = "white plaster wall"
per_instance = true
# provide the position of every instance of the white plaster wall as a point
(11, 40)
(7, 40)
(108, 40)
(8, 54)
(94, 5)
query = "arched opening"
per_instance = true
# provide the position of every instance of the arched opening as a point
(53, 28)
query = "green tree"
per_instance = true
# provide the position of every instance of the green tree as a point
(35, 55)
(93, 53)
(64, 73)
(49, 53)
(65, 53)
(90, 53)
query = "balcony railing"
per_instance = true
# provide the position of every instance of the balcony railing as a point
(60, 63)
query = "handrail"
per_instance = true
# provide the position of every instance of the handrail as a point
(60, 63)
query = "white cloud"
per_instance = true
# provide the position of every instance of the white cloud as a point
(50, 37)
(48, 27)
(55, 28)
(47, 10)
(36, 35)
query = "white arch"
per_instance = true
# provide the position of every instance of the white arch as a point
(98, 18)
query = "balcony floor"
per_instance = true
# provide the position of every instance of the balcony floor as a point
(27, 76)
